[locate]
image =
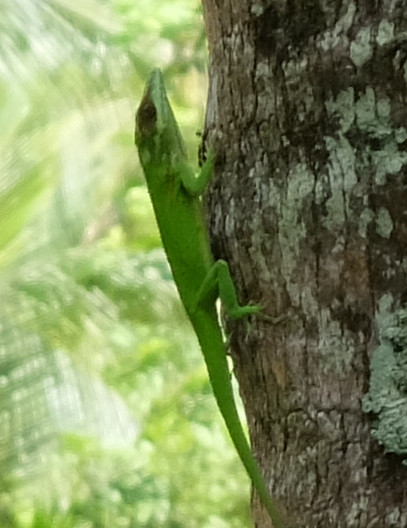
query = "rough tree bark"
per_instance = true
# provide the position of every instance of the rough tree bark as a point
(307, 114)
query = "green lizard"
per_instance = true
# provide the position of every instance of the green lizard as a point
(174, 190)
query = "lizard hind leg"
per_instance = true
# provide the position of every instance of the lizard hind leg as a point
(219, 283)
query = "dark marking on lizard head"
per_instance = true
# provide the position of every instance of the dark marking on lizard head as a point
(146, 118)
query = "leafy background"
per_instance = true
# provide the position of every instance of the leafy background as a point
(106, 414)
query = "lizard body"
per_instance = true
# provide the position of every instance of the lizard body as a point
(174, 191)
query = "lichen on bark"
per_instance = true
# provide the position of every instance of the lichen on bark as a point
(387, 396)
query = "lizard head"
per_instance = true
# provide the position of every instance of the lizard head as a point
(157, 133)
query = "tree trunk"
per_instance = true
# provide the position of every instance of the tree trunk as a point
(307, 115)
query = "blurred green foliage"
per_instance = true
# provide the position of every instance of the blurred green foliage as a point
(106, 414)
